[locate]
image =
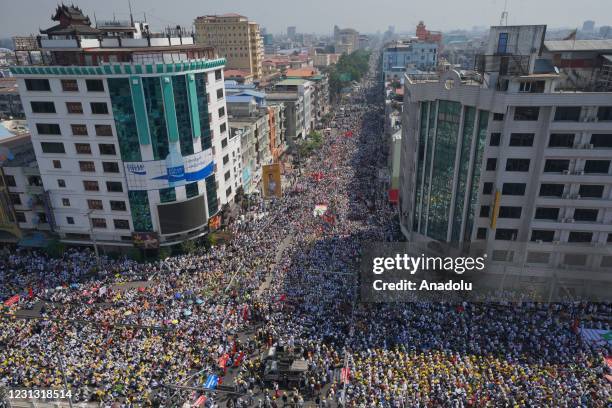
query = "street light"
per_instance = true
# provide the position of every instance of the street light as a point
(93, 237)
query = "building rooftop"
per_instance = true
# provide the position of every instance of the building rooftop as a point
(303, 72)
(578, 45)
(292, 82)
(239, 98)
(285, 96)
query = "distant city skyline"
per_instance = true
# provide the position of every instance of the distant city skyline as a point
(319, 16)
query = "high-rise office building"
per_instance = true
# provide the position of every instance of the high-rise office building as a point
(504, 159)
(291, 31)
(234, 37)
(128, 129)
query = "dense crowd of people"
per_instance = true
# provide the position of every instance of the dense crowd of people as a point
(124, 332)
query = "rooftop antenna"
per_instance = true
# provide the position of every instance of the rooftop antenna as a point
(504, 15)
(131, 16)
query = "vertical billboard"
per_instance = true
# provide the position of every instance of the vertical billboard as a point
(271, 179)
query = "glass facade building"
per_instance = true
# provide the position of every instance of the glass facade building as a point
(449, 153)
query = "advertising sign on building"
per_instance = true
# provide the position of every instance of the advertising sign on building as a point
(145, 240)
(271, 176)
(175, 171)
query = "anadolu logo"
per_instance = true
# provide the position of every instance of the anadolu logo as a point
(136, 168)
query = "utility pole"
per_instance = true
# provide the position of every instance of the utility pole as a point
(93, 238)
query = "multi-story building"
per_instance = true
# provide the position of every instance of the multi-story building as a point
(291, 31)
(320, 89)
(305, 89)
(10, 102)
(424, 34)
(234, 37)
(128, 129)
(293, 123)
(24, 205)
(504, 160)
(346, 40)
(401, 55)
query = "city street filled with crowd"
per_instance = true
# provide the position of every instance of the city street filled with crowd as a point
(132, 334)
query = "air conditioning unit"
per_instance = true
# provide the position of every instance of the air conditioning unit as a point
(579, 172)
(566, 172)
(570, 220)
(578, 197)
(566, 196)
(539, 241)
(556, 242)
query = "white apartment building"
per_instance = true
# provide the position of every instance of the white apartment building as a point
(502, 160)
(132, 148)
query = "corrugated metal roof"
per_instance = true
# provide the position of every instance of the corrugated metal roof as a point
(578, 45)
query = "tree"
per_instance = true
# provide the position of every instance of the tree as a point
(55, 248)
(188, 247)
(164, 252)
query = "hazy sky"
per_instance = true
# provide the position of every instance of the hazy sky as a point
(18, 17)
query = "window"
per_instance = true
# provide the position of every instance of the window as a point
(498, 117)
(43, 107)
(104, 130)
(37, 84)
(118, 205)
(15, 199)
(609, 238)
(221, 112)
(20, 217)
(604, 113)
(87, 166)
(517, 189)
(220, 93)
(74, 107)
(491, 164)
(107, 149)
(485, 210)
(57, 164)
(495, 139)
(48, 129)
(167, 195)
(532, 86)
(542, 235)
(99, 108)
(114, 187)
(487, 188)
(567, 113)
(552, 190)
(70, 220)
(517, 165)
(70, 85)
(61, 183)
(98, 222)
(121, 224)
(66, 202)
(544, 213)
(538, 257)
(218, 75)
(585, 214)
(506, 234)
(94, 85)
(481, 233)
(591, 191)
(10, 180)
(110, 167)
(224, 143)
(79, 130)
(191, 189)
(226, 159)
(90, 185)
(52, 147)
(502, 43)
(561, 140)
(521, 139)
(510, 212)
(228, 192)
(223, 127)
(529, 113)
(580, 236)
(556, 166)
(82, 148)
(597, 166)
(227, 175)
(601, 141)
(95, 204)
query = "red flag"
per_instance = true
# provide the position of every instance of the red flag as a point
(345, 375)
(12, 300)
(282, 297)
(245, 313)
(30, 293)
(200, 401)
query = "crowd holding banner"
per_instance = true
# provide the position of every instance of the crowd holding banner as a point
(125, 331)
